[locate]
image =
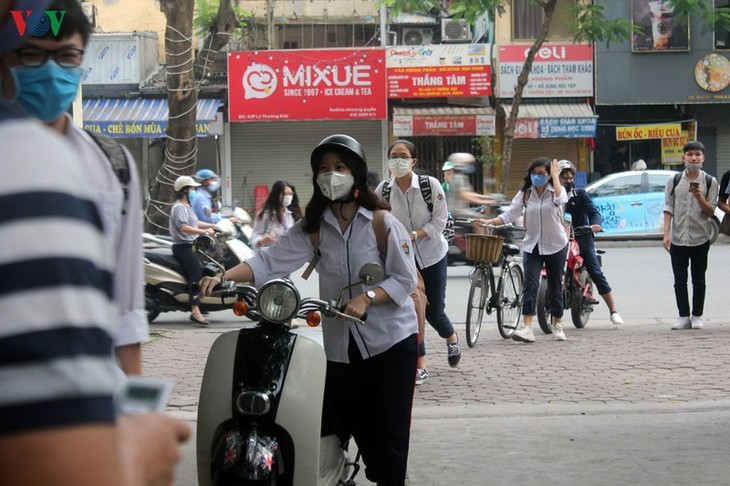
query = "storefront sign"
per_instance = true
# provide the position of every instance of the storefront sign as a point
(555, 127)
(557, 71)
(672, 149)
(461, 125)
(337, 84)
(645, 132)
(439, 71)
(132, 129)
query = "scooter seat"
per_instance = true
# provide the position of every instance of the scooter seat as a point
(165, 258)
(510, 249)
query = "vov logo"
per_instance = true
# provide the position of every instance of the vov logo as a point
(38, 22)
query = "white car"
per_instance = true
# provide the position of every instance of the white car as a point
(632, 202)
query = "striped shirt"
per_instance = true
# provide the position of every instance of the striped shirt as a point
(690, 225)
(56, 364)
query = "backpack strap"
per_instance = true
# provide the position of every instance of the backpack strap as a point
(425, 185)
(381, 239)
(387, 186)
(114, 153)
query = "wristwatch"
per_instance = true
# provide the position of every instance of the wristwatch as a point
(371, 296)
(415, 235)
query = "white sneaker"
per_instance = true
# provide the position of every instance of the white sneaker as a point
(558, 334)
(616, 319)
(682, 323)
(696, 322)
(524, 334)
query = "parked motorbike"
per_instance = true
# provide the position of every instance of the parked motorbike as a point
(577, 287)
(166, 286)
(244, 229)
(261, 405)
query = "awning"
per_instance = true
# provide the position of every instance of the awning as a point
(443, 120)
(553, 120)
(140, 118)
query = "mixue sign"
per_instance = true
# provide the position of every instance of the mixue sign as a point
(337, 84)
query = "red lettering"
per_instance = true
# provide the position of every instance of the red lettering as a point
(20, 22)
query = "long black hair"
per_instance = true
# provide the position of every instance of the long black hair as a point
(538, 162)
(275, 208)
(361, 192)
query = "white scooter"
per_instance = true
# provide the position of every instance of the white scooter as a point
(166, 287)
(261, 400)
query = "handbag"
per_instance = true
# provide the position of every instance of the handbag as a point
(725, 225)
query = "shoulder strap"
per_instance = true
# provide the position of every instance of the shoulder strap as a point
(426, 191)
(114, 153)
(677, 178)
(387, 186)
(527, 196)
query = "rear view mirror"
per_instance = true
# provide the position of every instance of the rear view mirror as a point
(371, 274)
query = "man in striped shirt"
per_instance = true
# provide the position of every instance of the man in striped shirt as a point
(57, 372)
(689, 205)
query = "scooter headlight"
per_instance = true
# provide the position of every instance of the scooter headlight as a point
(278, 301)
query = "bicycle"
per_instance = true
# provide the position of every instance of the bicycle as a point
(488, 293)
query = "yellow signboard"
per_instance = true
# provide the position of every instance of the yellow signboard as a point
(645, 132)
(672, 149)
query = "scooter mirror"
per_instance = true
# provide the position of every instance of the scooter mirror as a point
(371, 273)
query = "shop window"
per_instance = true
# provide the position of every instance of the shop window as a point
(527, 18)
(722, 37)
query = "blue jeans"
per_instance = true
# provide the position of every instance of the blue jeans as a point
(590, 261)
(554, 264)
(434, 278)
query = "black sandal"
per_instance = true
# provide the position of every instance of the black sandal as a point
(202, 322)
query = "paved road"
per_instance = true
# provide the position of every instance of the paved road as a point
(639, 404)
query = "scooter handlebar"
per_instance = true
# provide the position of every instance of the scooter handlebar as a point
(329, 309)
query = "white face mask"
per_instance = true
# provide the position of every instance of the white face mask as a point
(692, 167)
(335, 185)
(288, 198)
(400, 167)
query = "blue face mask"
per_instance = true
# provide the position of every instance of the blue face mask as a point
(47, 91)
(192, 194)
(538, 180)
(214, 186)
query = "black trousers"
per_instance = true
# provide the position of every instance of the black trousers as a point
(554, 265)
(681, 258)
(374, 397)
(193, 269)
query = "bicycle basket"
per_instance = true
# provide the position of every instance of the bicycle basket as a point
(483, 248)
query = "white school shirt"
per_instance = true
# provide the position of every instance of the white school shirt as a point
(412, 211)
(123, 231)
(544, 219)
(269, 224)
(343, 255)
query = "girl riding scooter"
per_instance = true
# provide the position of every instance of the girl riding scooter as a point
(370, 367)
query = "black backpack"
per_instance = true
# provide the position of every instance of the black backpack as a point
(678, 177)
(114, 153)
(425, 186)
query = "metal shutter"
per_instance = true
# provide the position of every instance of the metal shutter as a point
(723, 150)
(262, 153)
(525, 151)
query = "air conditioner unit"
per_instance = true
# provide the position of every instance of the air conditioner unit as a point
(412, 36)
(453, 30)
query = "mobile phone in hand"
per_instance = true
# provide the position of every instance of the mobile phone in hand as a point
(693, 185)
(143, 395)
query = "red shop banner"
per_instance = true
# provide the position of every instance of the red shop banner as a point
(335, 84)
(439, 71)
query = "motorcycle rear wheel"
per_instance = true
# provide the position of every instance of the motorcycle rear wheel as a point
(151, 306)
(543, 307)
(581, 314)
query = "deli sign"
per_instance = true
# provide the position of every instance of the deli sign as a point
(337, 84)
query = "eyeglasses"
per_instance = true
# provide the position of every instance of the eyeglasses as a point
(66, 57)
(401, 156)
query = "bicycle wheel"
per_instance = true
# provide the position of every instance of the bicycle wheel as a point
(478, 293)
(509, 309)
(544, 318)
